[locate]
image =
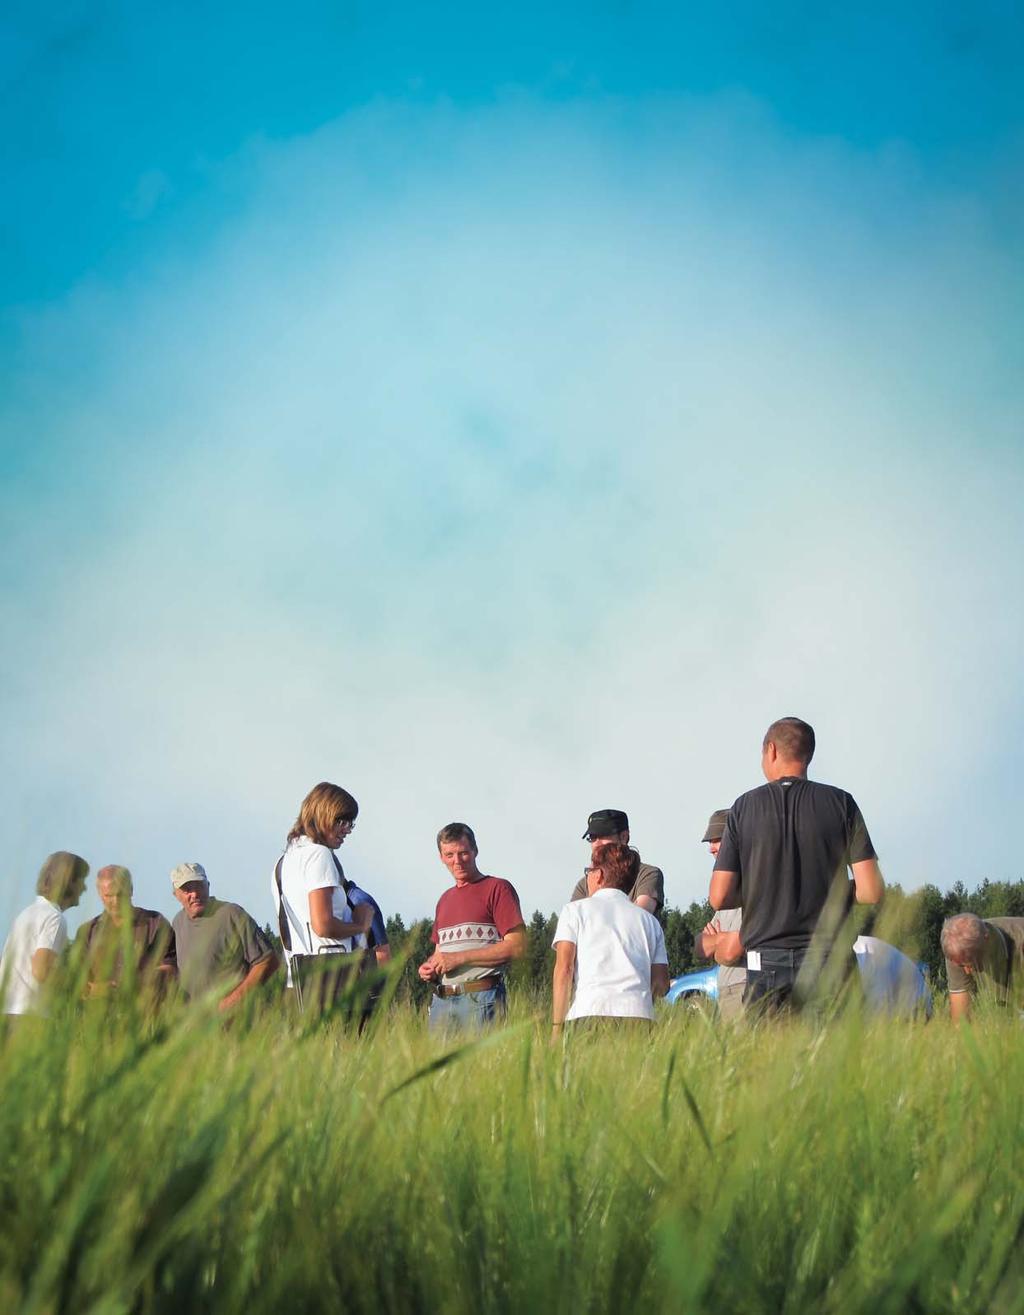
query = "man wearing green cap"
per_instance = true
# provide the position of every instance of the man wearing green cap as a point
(720, 939)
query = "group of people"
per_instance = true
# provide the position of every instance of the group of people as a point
(790, 857)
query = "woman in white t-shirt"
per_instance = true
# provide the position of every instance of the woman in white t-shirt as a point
(312, 902)
(613, 950)
(40, 933)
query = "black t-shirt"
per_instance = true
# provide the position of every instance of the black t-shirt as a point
(789, 841)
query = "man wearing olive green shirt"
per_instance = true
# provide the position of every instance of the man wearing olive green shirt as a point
(986, 953)
(610, 826)
(221, 951)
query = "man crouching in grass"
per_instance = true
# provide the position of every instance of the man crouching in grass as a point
(613, 950)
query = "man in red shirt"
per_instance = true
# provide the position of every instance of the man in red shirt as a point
(478, 931)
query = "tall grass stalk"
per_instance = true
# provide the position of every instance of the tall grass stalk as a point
(189, 1165)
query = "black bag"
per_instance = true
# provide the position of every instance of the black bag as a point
(320, 981)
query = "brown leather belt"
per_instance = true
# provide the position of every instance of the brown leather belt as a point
(467, 988)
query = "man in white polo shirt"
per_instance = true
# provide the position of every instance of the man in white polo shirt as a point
(40, 933)
(611, 948)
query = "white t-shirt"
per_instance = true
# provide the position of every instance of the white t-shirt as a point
(308, 866)
(616, 944)
(892, 983)
(39, 927)
(730, 974)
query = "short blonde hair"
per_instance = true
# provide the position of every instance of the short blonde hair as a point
(120, 878)
(321, 810)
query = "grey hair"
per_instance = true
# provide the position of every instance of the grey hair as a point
(962, 937)
(118, 876)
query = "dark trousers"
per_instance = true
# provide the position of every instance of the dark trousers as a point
(772, 988)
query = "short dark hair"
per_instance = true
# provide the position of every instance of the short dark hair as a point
(453, 832)
(58, 874)
(793, 738)
(619, 864)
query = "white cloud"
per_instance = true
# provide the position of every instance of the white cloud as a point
(509, 465)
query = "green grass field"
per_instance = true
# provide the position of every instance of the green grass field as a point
(197, 1167)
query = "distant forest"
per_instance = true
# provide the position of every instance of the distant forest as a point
(912, 922)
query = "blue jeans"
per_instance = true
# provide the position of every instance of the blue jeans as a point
(466, 1013)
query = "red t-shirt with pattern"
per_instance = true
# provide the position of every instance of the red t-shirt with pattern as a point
(469, 917)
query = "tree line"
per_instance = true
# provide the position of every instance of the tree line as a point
(910, 921)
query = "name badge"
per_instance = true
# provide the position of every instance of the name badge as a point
(754, 960)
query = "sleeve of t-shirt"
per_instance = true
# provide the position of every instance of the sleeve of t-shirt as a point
(319, 871)
(579, 891)
(505, 908)
(53, 933)
(728, 859)
(658, 952)
(957, 978)
(651, 884)
(255, 945)
(566, 928)
(860, 846)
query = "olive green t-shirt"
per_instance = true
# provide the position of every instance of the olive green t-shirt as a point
(1003, 964)
(649, 881)
(217, 949)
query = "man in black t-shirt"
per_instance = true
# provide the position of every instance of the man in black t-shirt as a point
(786, 849)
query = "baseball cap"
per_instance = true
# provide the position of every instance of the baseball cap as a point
(605, 822)
(186, 872)
(716, 825)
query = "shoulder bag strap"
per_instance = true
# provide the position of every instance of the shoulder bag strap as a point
(282, 917)
(346, 885)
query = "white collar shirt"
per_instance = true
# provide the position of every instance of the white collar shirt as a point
(616, 944)
(39, 927)
(306, 867)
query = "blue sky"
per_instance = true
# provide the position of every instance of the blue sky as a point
(506, 416)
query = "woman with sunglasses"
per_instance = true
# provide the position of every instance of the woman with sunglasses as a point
(315, 912)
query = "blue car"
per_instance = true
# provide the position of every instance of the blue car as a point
(892, 983)
(694, 988)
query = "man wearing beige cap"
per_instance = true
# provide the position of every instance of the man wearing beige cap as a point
(221, 950)
(125, 941)
(720, 939)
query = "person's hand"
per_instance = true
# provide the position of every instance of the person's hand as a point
(713, 928)
(556, 1033)
(362, 916)
(433, 967)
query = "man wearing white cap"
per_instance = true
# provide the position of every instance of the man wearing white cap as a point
(220, 947)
